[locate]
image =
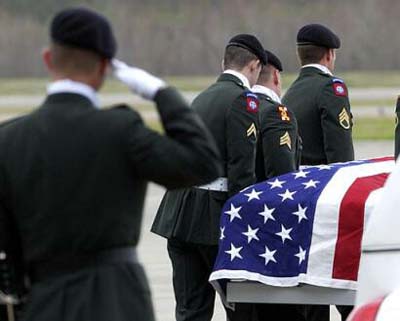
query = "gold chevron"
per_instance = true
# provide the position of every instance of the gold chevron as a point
(252, 130)
(285, 140)
(344, 119)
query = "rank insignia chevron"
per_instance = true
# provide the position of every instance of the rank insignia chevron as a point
(285, 140)
(344, 119)
(252, 130)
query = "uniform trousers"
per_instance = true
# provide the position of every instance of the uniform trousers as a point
(322, 313)
(192, 265)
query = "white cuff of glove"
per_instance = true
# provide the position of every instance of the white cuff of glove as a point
(138, 80)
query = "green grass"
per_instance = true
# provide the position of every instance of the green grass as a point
(364, 128)
(374, 128)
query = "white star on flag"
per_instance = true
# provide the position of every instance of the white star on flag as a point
(234, 212)
(267, 213)
(285, 234)
(324, 167)
(276, 183)
(268, 255)
(301, 213)
(253, 195)
(234, 252)
(310, 183)
(222, 233)
(288, 195)
(300, 174)
(251, 234)
(301, 255)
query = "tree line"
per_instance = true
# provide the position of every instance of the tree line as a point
(187, 37)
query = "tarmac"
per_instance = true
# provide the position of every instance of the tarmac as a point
(153, 248)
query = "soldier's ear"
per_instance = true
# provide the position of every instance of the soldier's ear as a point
(255, 65)
(277, 77)
(47, 59)
(330, 55)
(223, 64)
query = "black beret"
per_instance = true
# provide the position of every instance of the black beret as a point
(84, 29)
(318, 35)
(250, 43)
(274, 60)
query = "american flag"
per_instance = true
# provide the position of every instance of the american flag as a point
(301, 227)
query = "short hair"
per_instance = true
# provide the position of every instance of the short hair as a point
(237, 58)
(75, 60)
(311, 54)
(265, 74)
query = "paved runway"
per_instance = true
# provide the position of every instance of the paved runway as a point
(153, 253)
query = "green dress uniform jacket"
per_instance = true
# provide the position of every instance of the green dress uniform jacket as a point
(189, 218)
(321, 105)
(193, 214)
(73, 179)
(279, 148)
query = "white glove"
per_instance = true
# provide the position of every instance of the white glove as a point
(138, 80)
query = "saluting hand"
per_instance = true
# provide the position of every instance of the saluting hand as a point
(138, 80)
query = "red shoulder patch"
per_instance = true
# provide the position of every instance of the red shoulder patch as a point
(252, 103)
(339, 89)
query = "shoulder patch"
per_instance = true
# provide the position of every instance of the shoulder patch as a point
(338, 80)
(283, 113)
(339, 87)
(251, 102)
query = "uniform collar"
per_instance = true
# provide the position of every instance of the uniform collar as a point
(74, 87)
(258, 89)
(323, 68)
(239, 75)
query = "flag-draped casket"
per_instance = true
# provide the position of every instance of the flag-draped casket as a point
(302, 227)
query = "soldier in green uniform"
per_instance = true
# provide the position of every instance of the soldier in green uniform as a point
(73, 178)
(279, 144)
(321, 105)
(320, 100)
(397, 130)
(278, 153)
(189, 218)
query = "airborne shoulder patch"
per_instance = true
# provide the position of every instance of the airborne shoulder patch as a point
(344, 119)
(339, 87)
(283, 113)
(251, 102)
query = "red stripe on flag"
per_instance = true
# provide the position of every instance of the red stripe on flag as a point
(351, 224)
(382, 159)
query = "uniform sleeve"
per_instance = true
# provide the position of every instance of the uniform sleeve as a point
(336, 122)
(279, 141)
(185, 156)
(241, 134)
(397, 130)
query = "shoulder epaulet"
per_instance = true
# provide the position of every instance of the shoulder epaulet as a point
(12, 121)
(121, 106)
(252, 101)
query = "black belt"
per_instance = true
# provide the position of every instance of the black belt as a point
(73, 263)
